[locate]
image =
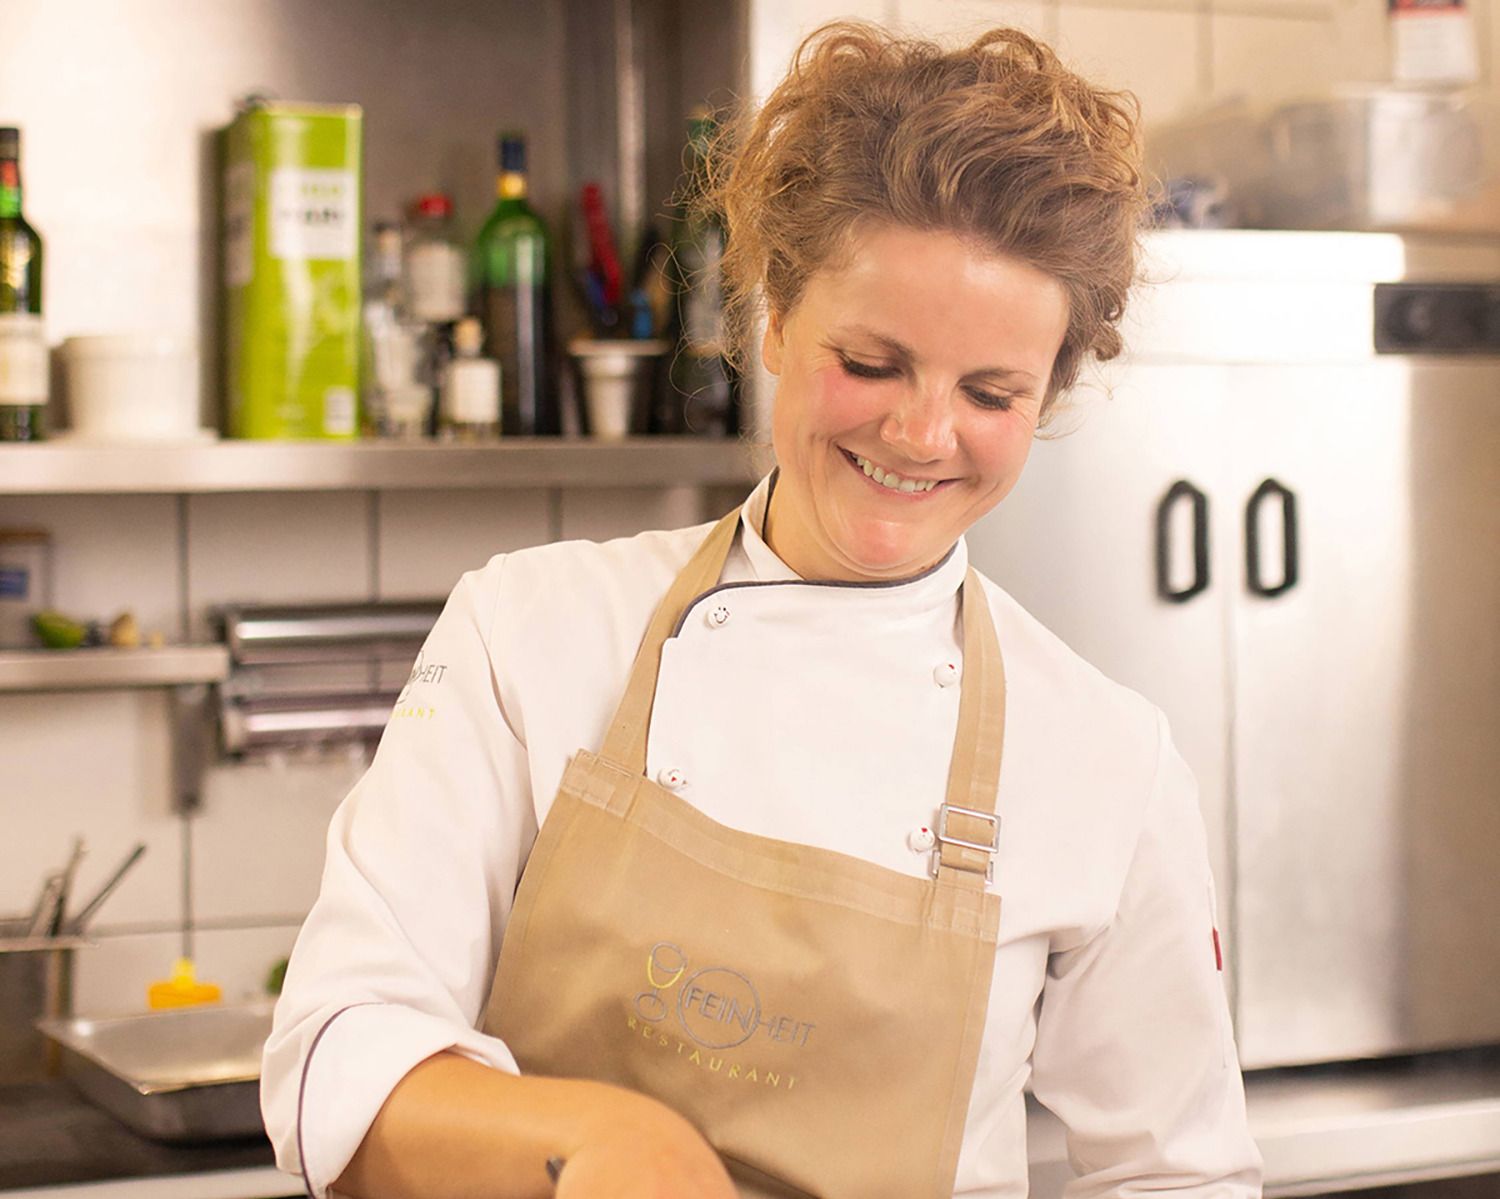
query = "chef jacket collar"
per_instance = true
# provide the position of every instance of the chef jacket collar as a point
(938, 584)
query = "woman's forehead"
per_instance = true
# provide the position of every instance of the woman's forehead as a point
(934, 288)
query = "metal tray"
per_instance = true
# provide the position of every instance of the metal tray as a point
(188, 1074)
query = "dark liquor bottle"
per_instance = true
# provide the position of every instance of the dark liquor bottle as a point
(706, 386)
(511, 261)
(23, 344)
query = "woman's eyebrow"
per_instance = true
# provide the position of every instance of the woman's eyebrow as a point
(903, 352)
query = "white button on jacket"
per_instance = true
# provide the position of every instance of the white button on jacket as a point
(811, 717)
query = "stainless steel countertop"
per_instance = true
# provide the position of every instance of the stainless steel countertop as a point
(1348, 1125)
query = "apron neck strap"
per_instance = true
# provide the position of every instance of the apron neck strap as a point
(967, 822)
(625, 743)
(968, 831)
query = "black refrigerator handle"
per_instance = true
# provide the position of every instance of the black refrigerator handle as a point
(1180, 489)
(1267, 489)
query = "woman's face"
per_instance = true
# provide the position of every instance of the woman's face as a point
(920, 357)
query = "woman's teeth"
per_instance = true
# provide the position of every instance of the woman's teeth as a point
(890, 479)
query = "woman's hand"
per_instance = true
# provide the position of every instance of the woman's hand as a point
(454, 1129)
(637, 1148)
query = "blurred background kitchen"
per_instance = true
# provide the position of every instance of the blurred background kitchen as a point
(306, 309)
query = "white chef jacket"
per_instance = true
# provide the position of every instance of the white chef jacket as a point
(817, 713)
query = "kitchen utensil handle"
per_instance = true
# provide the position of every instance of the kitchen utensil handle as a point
(1180, 489)
(1289, 562)
(76, 923)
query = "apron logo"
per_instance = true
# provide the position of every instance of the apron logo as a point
(717, 1007)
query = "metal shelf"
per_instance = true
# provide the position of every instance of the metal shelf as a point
(80, 669)
(244, 466)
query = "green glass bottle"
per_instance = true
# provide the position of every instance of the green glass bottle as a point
(23, 344)
(706, 387)
(511, 260)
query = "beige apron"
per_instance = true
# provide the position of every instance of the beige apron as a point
(816, 1016)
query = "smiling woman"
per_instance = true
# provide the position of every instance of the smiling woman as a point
(939, 239)
(691, 888)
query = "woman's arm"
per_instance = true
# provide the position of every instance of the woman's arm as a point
(454, 1129)
(374, 1073)
(393, 962)
(1134, 1051)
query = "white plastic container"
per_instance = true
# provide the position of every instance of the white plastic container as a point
(132, 387)
(616, 384)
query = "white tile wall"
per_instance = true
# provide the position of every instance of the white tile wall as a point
(1272, 59)
(258, 841)
(777, 28)
(957, 20)
(95, 765)
(109, 553)
(1156, 55)
(117, 102)
(284, 546)
(429, 538)
(111, 978)
(599, 513)
(1178, 54)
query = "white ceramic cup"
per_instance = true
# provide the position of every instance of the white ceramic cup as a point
(132, 387)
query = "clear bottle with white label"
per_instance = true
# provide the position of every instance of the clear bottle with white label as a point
(434, 263)
(471, 388)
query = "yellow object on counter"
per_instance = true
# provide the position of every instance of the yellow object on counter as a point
(183, 989)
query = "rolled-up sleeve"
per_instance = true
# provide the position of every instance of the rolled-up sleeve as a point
(396, 957)
(1134, 1051)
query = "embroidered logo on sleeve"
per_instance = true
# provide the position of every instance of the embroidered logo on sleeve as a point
(423, 673)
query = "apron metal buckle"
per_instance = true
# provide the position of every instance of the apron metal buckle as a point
(991, 848)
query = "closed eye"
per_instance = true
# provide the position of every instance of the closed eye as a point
(989, 399)
(867, 370)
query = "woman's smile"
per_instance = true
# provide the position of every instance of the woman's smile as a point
(893, 485)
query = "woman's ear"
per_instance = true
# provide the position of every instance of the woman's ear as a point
(771, 344)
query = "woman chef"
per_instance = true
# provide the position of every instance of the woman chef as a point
(790, 849)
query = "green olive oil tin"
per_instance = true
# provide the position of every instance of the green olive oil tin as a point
(291, 271)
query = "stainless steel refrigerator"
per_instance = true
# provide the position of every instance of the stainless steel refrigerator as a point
(1279, 518)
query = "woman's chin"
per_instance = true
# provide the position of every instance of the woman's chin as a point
(878, 559)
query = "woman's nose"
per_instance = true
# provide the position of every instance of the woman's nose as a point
(922, 427)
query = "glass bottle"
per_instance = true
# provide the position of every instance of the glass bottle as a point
(707, 388)
(511, 260)
(471, 388)
(23, 342)
(381, 313)
(434, 261)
